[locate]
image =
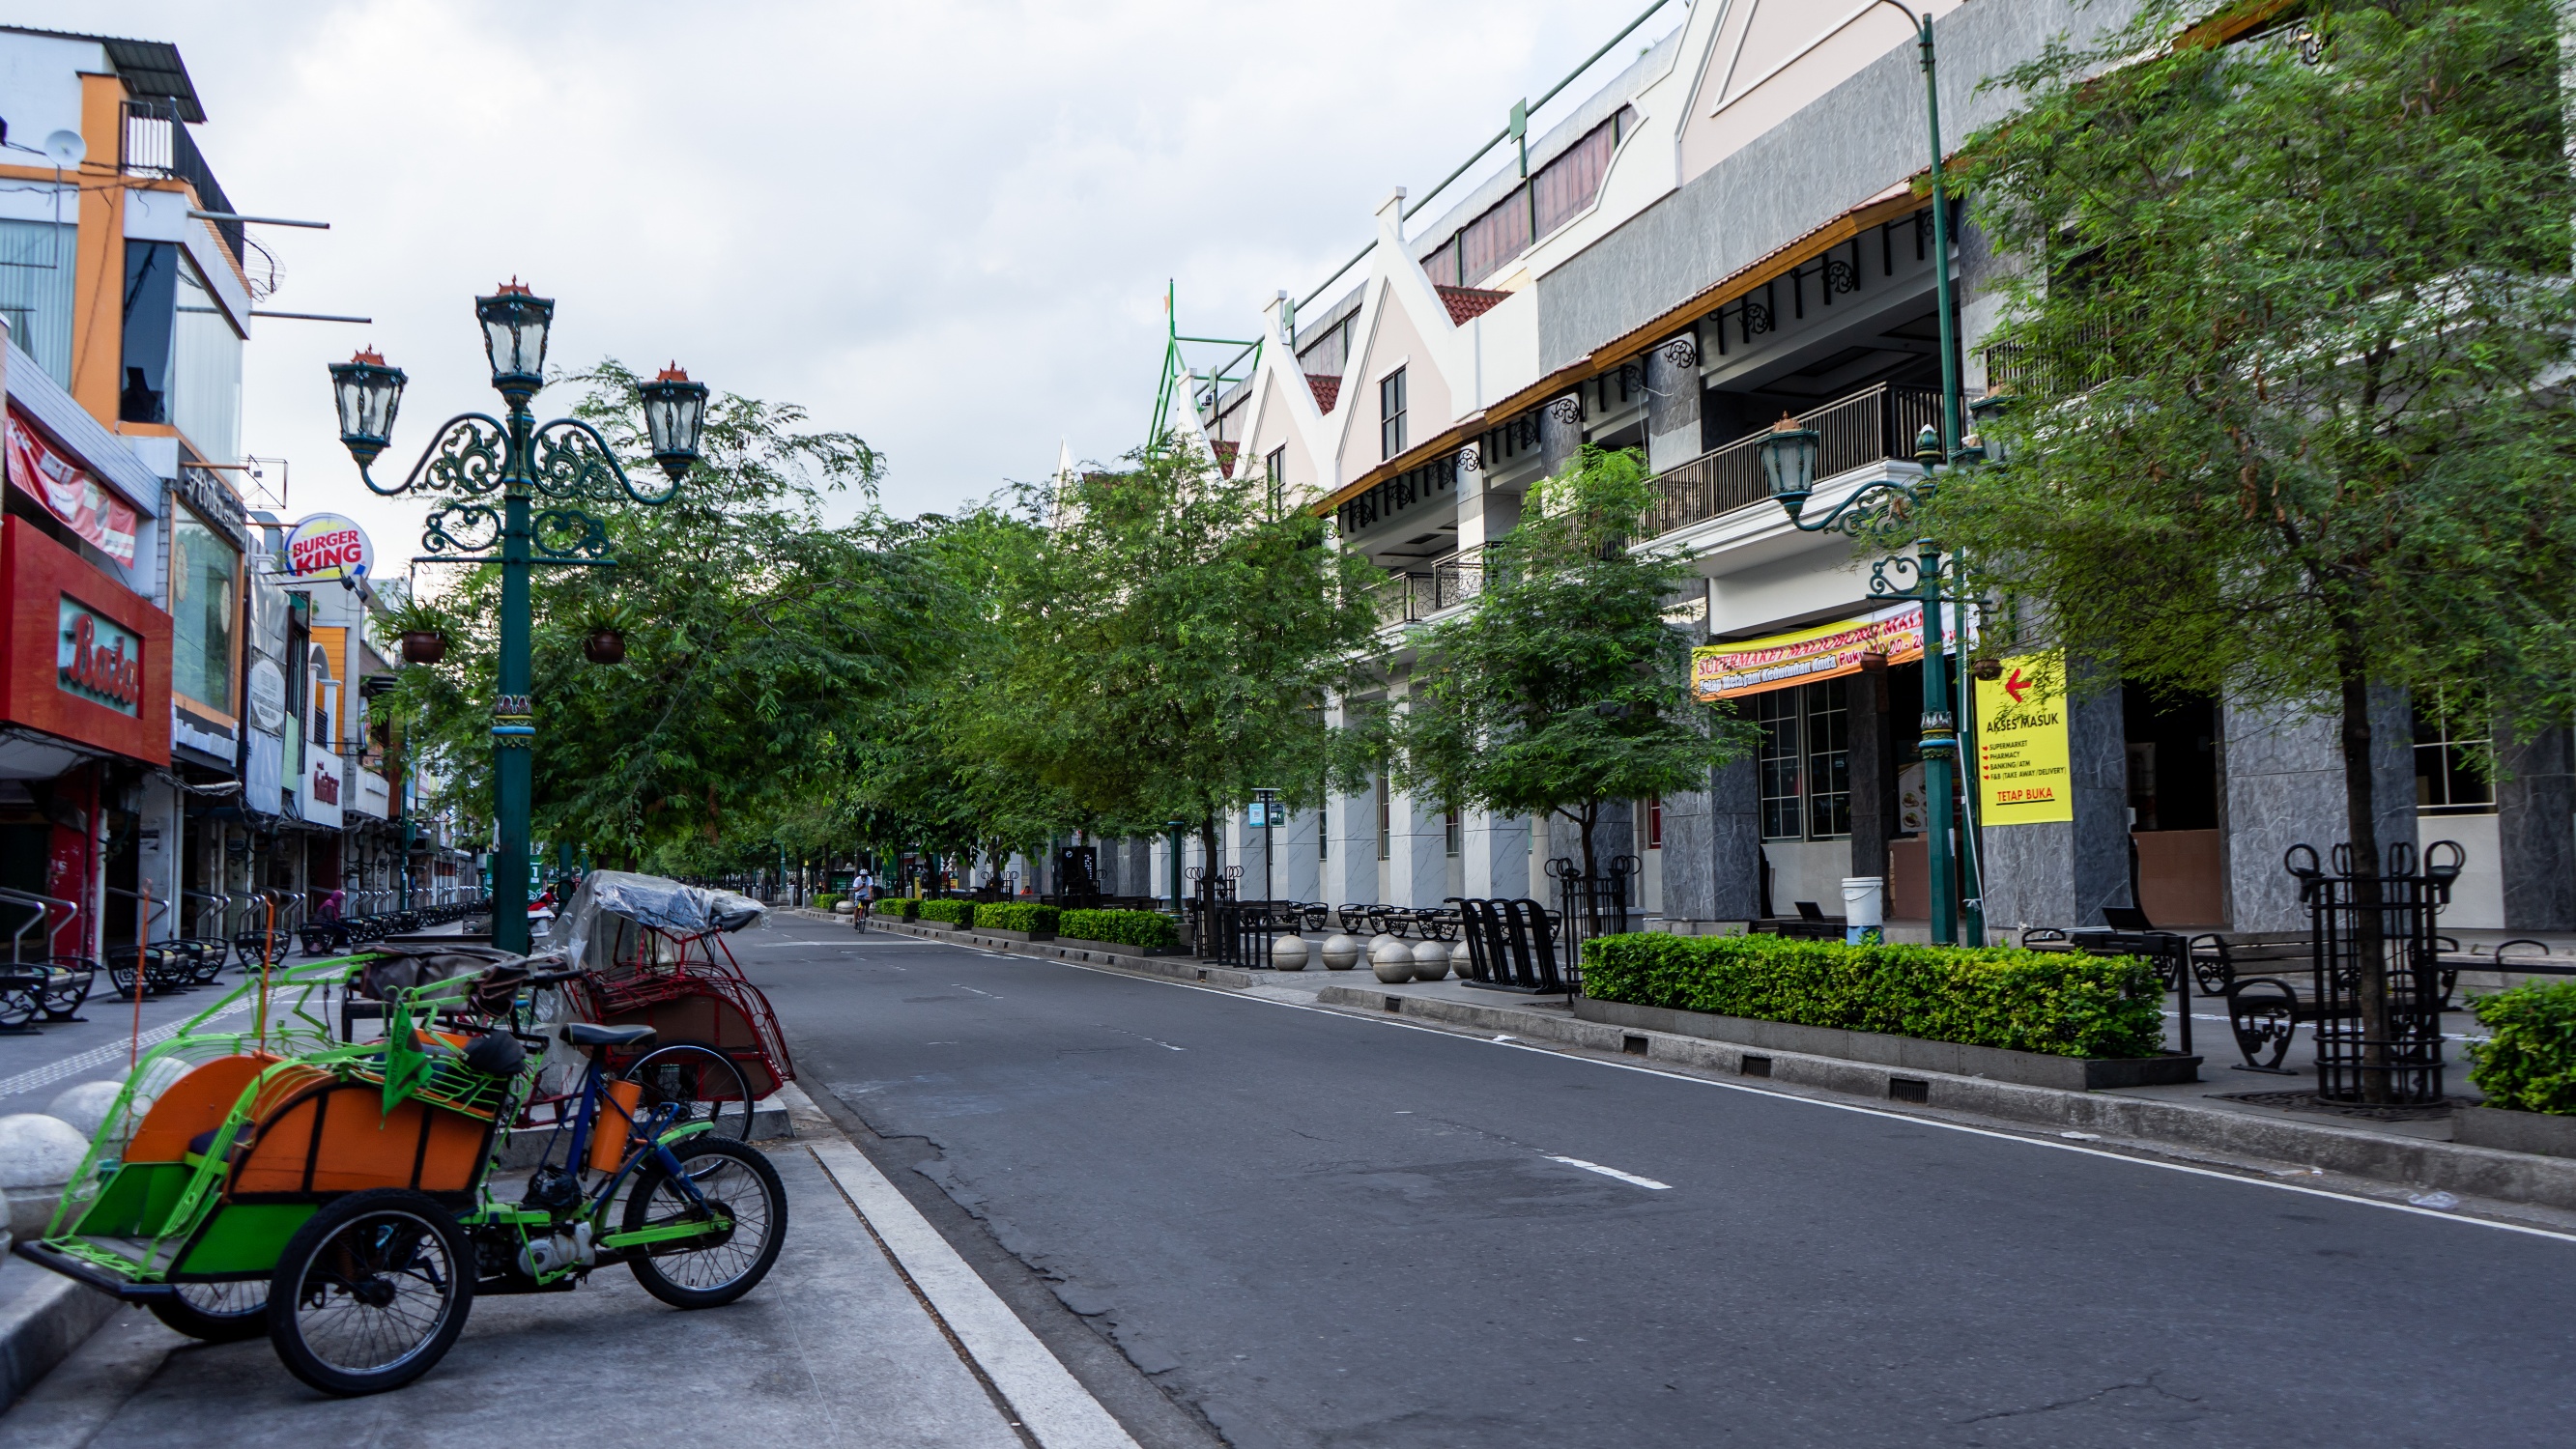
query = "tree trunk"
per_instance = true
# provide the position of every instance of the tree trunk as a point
(1209, 874)
(2361, 824)
(1591, 814)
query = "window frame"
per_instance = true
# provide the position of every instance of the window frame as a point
(1799, 711)
(235, 628)
(1391, 410)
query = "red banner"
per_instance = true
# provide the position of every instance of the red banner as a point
(69, 492)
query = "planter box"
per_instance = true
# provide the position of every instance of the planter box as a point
(1118, 948)
(2030, 1069)
(2547, 1133)
(1009, 935)
(930, 925)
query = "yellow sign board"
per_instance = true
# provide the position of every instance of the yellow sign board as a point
(2022, 770)
(1803, 656)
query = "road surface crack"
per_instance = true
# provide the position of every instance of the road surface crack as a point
(2149, 1384)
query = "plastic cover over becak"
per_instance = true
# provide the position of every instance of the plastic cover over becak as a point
(648, 900)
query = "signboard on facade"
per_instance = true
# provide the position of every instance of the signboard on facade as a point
(68, 492)
(267, 695)
(97, 660)
(322, 786)
(1803, 656)
(2023, 775)
(326, 546)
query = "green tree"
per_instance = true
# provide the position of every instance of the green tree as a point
(1172, 645)
(757, 640)
(1563, 686)
(2289, 353)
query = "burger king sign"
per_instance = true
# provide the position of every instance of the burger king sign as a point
(328, 546)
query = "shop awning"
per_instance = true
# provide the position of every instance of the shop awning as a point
(1892, 635)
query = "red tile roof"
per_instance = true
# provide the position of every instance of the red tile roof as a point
(1468, 302)
(1225, 452)
(1327, 390)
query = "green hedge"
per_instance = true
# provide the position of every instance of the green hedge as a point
(2530, 1064)
(1017, 916)
(1148, 930)
(2063, 1003)
(958, 913)
(826, 901)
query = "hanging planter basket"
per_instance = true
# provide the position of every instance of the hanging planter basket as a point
(604, 646)
(423, 646)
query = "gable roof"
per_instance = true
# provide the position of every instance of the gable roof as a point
(1327, 390)
(1467, 303)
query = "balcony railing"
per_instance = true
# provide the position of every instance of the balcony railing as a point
(155, 142)
(1411, 596)
(1867, 427)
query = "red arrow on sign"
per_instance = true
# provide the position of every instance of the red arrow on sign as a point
(2017, 686)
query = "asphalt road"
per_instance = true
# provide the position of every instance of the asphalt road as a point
(1306, 1228)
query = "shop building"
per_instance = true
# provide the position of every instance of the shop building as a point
(1725, 232)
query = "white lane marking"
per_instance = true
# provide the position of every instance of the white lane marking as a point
(962, 986)
(99, 1056)
(1056, 1409)
(1629, 1177)
(1934, 1122)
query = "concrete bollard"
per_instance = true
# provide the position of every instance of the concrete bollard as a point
(38, 1154)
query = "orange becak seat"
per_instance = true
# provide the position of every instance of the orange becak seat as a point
(194, 1104)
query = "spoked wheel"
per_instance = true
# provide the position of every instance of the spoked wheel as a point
(217, 1312)
(736, 1185)
(704, 1083)
(371, 1292)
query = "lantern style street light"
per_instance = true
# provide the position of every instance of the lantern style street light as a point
(1788, 453)
(513, 493)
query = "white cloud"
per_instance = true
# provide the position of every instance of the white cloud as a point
(943, 226)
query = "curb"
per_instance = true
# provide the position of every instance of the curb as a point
(2412, 1161)
(43, 1317)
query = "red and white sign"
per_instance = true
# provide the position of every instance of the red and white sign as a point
(97, 660)
(328, 546)
(69, 492)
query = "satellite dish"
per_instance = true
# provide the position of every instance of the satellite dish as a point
(66, 148)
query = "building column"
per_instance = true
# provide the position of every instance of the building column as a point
(2285, 787)
(1350, 868)
(1417, 852)
(2064, 872)
(1300, 869)
(1672, 405)
(1497, 855)
(2536, 831)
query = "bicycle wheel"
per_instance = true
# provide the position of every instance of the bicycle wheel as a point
(216, 1312)
(371, 1292)
(737, 1183)
(703, 1082)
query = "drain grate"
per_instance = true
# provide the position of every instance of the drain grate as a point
(1753, 1066)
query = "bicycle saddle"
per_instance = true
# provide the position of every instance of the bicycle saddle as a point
(591, 1033)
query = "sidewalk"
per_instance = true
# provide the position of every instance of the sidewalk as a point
(863, 1335)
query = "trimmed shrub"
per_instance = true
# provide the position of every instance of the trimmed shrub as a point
(956, 913)
(902, 908)
(2530, 1064)
(825, 901)
(2062, 1003)
(1146, 930)
(1017, 916)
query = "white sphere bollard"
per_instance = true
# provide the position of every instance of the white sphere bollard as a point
(1391, 957)
(1430, 960)
(38, 1154)
(86, 1106)
(1462, 960)
(1342, 951)
(845, 907)
(1288, 953)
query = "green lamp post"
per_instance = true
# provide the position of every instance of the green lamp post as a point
(1789, 453)
(511, 492)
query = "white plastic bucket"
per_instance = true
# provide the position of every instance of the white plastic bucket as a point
(1864, 908)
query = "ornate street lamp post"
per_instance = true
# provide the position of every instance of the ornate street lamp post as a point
(1789, 454)
(509, 492)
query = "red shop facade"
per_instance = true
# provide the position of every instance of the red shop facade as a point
(84, 712)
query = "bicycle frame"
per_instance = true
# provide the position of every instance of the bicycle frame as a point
(649, 1138)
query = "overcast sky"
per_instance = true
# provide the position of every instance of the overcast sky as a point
(944, 226)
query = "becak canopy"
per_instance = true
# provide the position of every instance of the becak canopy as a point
(647, 900)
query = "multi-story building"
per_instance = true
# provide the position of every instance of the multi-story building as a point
(129, 287)
(1729, 231)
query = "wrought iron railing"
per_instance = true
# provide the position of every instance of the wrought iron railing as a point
(1868, 427)
(155, 142)
(1410, 596)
